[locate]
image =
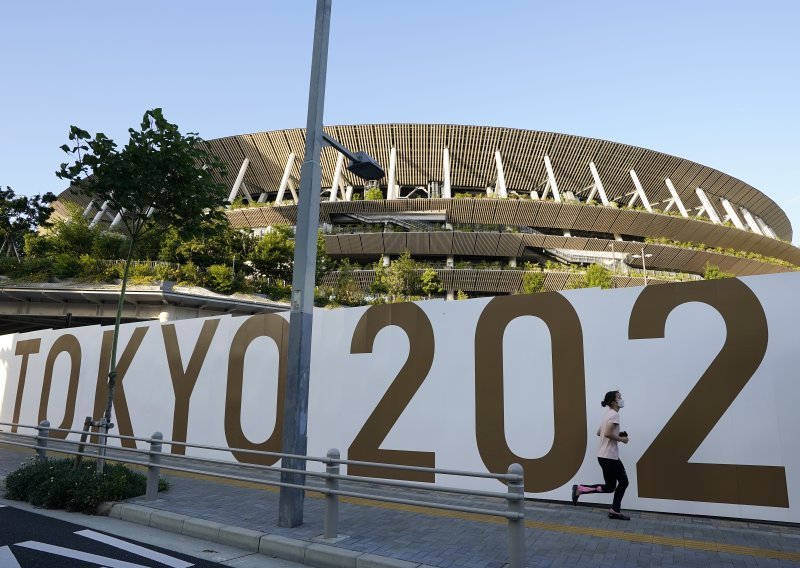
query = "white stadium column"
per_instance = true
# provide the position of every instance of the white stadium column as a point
(287, 171)
(239, 179)
(501, 190)
(88, 209)
(710, 211)
(640, 191)
(676, 197)
(598, 185)
(293, 191)
(765, 229)
(447, 192)
(751, 222)
(551, 179)
(348, 195)
(116, 220)
(99, 214)
(726, 205)
(391, 189)
(337, 178)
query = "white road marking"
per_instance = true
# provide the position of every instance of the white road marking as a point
(78, 555)
(7, 559)
(135, 549)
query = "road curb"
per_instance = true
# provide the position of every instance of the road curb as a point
(294, 550)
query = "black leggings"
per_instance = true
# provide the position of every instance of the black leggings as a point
(616, 481)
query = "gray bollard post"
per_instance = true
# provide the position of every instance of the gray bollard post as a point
(516, 527)
(153, 470)
(41, 439)
(332, 501)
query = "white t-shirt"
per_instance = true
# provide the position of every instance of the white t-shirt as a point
(609, 448)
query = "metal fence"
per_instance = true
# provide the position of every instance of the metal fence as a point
(327, 482)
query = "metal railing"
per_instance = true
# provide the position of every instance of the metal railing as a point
(326, 483)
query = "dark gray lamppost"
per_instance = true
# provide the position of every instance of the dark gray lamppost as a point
(295, 416)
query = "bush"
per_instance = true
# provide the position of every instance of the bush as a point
(189, 273)
(373, 194)
(163, 272)
(66, 266)
(58, 484)
(91, 268)
(219, 278)
(532, 282)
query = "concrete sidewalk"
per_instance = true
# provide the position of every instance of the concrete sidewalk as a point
(383, 534)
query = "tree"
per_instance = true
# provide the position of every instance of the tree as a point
(273, 254)
(347, 291)
(21, 215)
(401, 278)
(712, 272)
(216, 243)
(598, 276)
(159, 179)
(461, 295)
(532, 278)
(430, 283)
(373, 194)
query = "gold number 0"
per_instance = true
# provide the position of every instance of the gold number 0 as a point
(562, 462)
(366, 445)
(664, 471)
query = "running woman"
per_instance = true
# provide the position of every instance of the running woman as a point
(616, 480)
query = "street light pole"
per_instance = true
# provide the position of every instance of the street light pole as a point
(613, 262)
(295, 416)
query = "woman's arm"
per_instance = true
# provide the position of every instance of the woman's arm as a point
(609, 433)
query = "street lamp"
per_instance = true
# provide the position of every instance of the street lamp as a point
(644, 267)
(613, 258)
(295, 415)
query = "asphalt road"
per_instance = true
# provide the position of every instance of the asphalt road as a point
(30, 540)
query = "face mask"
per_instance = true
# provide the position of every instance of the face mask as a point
(621, 403)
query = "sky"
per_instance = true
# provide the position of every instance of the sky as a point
(713, 81)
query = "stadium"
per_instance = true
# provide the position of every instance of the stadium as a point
(485, 205)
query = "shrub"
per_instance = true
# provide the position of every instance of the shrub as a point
(189, 273)
(141, 272)
(163, 272)
(91, 268)
(58, 484)
(532, 282)
(66, 266)
(219, 278)
(373, 194)
(712, 272)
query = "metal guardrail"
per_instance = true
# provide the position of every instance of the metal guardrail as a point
(514, 512)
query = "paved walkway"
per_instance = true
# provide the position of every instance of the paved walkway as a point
(556, 534)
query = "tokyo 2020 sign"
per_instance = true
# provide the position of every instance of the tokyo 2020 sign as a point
(708, 370)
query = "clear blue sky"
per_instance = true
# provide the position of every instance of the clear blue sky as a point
(714, 81)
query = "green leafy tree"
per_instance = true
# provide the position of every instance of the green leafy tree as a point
(217, 242)
(598, 276)
(160, 179)
(21, 215)
(712, 272)
(273, 254)
(378, 285)
(532, 282)
(430, 283)
(401, 278)
(373, 194)
(461, 295)
(347, 291)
